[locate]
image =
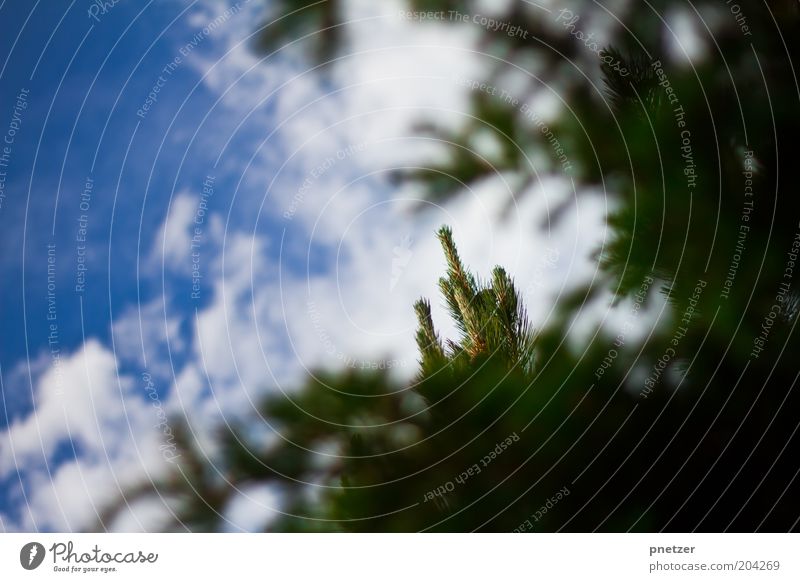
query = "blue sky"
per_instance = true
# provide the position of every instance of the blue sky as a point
(84, 81)
(80, 124)
(306, 256)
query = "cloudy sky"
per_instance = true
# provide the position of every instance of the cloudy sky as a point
(188, 224)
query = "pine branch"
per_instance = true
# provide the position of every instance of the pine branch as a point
(507, 310)
(449, 293)
(490, 318)
(430, 346)
(640, 83)
(456, 274)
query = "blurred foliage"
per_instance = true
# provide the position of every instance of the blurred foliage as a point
(693, 426)
(317, 24)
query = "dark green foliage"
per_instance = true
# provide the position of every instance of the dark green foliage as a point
(481, 442)
(692, 425)
(714, 428)
(635, 93)
(315, 24)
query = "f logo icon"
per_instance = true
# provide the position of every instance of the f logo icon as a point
(31, 555)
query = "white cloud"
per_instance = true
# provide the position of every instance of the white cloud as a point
(83, 404)
(344, 223)
(173, 244)
(144, 334)
(252, 509)
(686, 43)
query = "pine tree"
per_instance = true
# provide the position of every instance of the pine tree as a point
(692, 426)
(490, 317)
(495, 349)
